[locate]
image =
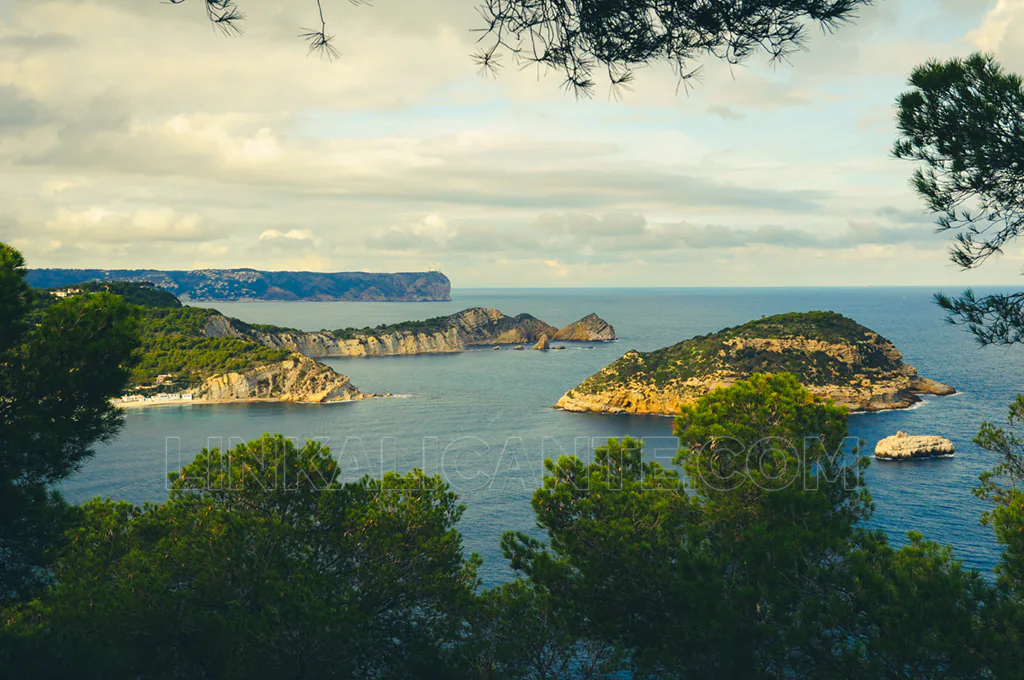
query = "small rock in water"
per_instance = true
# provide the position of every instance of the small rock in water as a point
(902, 446)
(543, 342)
(519, 347)
(496, 347)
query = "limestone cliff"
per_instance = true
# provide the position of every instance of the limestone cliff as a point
(833, 356)
(476, 326)
(484, 326)
(326, 344)
(298, 379)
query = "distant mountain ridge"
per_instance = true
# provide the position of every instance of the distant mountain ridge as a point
(252, 284)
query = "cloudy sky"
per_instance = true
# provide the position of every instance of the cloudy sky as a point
(134, 135)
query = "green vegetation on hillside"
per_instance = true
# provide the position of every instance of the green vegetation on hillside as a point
(818, 325)
(173, 343)
(706, 354)
(143, 293)
(246, 328)
(171, 336)
(434, 325)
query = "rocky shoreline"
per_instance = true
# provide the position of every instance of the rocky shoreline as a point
(253, 400)
(297, 379)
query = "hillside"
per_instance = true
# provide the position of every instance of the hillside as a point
(251, 284)
(833, 356)
(177, 357)
(201, 352)
(476, 326)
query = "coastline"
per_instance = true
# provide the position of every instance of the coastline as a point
(248, 400)
(915, 400)
(659, 414)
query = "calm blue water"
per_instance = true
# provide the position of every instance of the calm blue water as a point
(483, 418)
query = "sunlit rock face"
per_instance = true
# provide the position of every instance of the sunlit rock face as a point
(298, 379)
(902, 446)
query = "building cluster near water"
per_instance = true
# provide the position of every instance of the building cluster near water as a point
(154, 399)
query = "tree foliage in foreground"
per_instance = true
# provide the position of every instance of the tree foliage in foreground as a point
(261, 565)
(1003, 486)
(962, 122)
(581, 38)
(758, 564)
(59, 367)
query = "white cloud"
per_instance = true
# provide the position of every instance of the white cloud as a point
(290, 235)
(559, 269)
(200, 150)
(1001, 32)
(106, 225)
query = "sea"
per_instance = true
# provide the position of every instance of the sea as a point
(484, 419)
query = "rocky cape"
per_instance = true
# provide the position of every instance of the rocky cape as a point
(833, 356)
(296, 379)
(902, 446)
(477, 326)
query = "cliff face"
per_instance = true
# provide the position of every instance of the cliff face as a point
(834, 357)
(298, 379)
(477, 326)
(326, 345)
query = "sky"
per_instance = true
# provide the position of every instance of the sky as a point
(133, 135)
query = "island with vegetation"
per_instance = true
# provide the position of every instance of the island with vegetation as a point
(177, 361)
(252, 284)
(474, 327)
(833, 356)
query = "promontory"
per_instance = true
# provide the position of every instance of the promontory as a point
(833, 356)
(473, 327)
